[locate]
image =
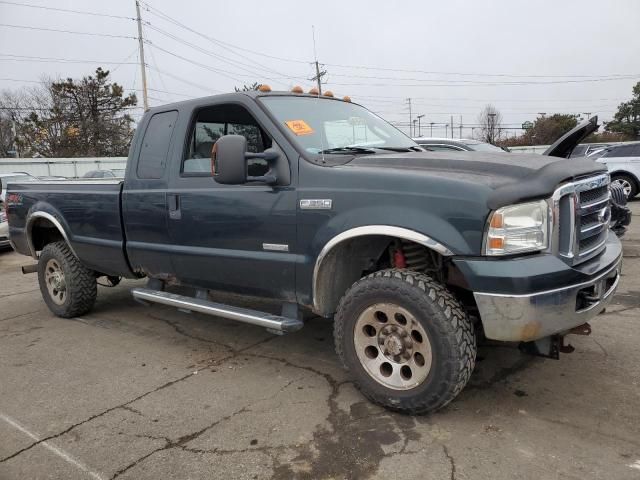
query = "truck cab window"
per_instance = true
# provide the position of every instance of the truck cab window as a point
(155, 145)
(214, 122)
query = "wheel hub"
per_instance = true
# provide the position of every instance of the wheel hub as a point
(396, 343)
(392, 346)
(55, 281)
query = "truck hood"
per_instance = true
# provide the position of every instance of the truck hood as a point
(511, 177)
(566, 143)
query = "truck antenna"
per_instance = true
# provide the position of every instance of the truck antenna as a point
(319, 73)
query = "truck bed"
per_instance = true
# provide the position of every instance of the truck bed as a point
(89, 212)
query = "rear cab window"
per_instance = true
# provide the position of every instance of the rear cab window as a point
(152, 161)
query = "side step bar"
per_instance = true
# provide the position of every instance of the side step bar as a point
(269, 321)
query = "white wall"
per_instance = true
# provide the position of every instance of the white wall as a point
(64, 167)
(531, 149)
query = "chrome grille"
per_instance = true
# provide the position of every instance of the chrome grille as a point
(581, 218)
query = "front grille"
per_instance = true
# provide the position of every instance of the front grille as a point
(582, 215)
(594, 195)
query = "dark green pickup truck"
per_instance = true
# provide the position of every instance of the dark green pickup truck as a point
(323, 207)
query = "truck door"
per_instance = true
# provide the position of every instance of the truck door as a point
(144, 204)
(238, 238)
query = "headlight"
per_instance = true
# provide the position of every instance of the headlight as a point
(518, 228)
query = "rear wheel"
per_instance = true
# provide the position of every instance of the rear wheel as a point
(627, 182)
(68, 287)
(406, 340)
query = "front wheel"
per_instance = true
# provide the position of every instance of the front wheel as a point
(406, 340)
(68, 287)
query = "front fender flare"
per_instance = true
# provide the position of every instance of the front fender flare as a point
(378, 230)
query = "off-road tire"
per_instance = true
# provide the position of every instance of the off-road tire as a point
(450, 332)
(81, 287)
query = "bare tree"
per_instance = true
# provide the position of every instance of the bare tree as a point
(490, 121)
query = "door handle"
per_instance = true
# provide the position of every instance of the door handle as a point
(173, 203)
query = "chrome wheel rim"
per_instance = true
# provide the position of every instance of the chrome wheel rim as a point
(392, 346)
(56, 284)
(626, 186)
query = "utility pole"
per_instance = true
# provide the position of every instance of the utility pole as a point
(460, 126)
(410, 117)
(431, 129)
(15, 136)
(451, 126)
(419, 126)
(145, 99)
(446, 130)
(318, 77)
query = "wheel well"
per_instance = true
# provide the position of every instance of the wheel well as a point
(42, 231)
(351, 259)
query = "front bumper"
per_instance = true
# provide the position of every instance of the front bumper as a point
(570, 296)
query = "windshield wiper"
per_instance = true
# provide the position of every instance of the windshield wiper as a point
(399, 149)
(348, 150)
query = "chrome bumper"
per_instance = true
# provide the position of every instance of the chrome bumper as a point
(537, 315)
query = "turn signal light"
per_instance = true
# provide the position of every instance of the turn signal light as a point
(496, 242)
(297, 89)
(264, 88)
(328, 93)
(313, 91)
(497, 220)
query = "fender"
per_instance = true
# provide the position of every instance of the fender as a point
(382, 230)
(29, 226)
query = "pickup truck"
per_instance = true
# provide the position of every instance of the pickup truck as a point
(319, 205)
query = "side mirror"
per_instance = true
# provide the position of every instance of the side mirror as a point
(230, 157)
(229, 163)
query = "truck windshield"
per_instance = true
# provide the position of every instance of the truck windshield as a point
(322, 125)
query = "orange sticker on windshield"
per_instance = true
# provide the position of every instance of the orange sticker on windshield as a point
(299, 127)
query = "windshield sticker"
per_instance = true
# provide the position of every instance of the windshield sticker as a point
(299, 127)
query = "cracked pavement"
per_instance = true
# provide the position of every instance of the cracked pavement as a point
(132, 392)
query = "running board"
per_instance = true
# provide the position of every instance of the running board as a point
(262, 319)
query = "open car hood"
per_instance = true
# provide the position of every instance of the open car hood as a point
(566, 143)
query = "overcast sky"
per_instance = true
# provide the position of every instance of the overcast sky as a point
(467, 46)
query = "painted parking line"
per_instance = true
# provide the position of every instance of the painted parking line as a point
(55, 450)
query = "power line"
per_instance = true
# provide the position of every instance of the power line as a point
(527, 82)
(41, 109)
(427, 72)
(168, 18)
(20, 80)
(224, 73)
(66, 10)
(222, 58)
(466, 83)
(171, 93)
(27, 58)
(188, 82)
(66, 31)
